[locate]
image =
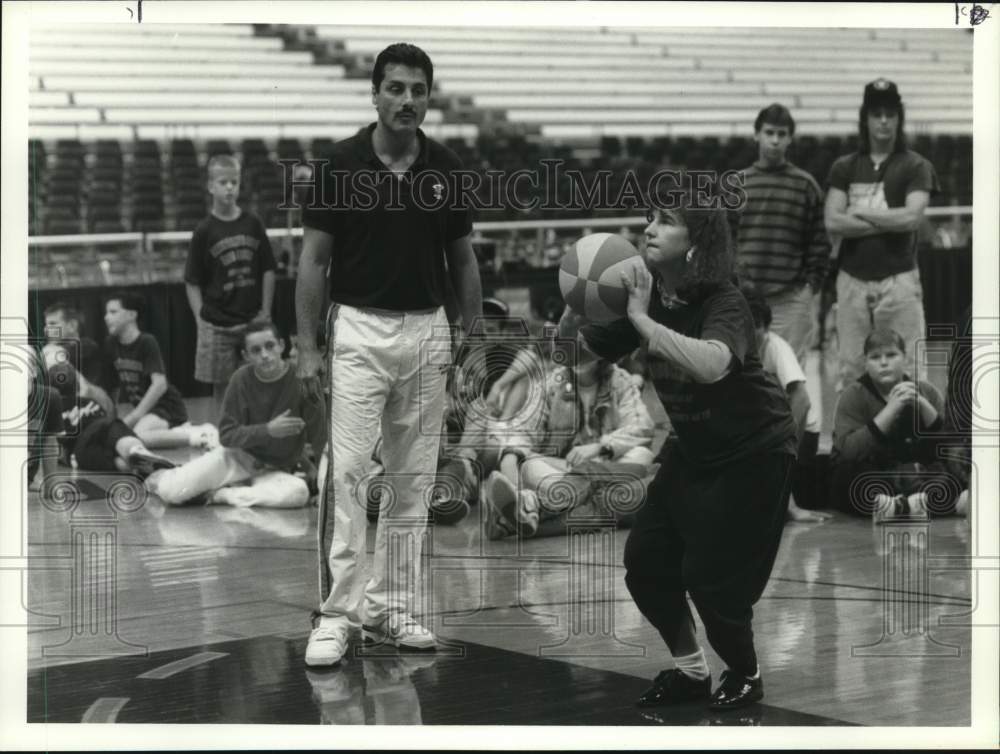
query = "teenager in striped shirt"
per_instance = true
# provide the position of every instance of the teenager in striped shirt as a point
(782, 244)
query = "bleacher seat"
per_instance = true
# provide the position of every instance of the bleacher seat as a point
(289, 149)
(320, 147)
(217, 146)
(690, 103)
(60, 222)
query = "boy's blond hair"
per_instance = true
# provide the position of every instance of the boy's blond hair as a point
(223, 162)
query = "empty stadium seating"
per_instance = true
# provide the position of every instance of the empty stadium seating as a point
(123, 119)
(107, 81)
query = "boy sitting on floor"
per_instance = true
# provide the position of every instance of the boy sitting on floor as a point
(91, 433)
(592, 434)
(266, 421)
(158, 415)
(886, 435)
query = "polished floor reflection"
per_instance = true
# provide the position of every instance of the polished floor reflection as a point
(860, 624)
(264, 680)
(141, 612)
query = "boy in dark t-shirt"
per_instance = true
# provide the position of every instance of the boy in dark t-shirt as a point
(229, 276)
(157, 414)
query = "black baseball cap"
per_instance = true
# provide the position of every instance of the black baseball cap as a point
(881, 93)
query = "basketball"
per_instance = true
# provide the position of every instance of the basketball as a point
(590, 276)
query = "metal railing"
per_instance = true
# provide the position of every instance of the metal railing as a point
(149, 266)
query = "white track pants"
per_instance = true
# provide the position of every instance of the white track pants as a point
(217, 470)
(387, 377)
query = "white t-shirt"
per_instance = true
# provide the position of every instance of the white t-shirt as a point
(778, 358)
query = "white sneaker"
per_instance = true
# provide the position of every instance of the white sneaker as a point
(204, 436)
(527, 513)
(900, 508)
(330, 686)
(962, 504)
(918, 505)
(400, 630)
(327, 644)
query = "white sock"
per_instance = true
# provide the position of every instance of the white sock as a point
(693, 665)
(918, 502)
(756, 675)
(152, 481)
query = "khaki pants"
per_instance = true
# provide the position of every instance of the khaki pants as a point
(896, 302)
(793, 319)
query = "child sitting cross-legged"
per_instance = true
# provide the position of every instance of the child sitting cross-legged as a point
(885, 439)
(266, 422)
(590, 447)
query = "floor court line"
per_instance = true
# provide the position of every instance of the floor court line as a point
(104, 710)
(179, 666)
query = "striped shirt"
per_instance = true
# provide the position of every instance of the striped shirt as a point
(781, 238)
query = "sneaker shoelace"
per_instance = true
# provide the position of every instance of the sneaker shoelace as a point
(406, 624)
(326, 633)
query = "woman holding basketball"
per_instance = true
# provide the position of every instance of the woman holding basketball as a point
(714, 514)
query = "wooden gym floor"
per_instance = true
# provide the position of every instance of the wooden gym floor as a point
(145, 613)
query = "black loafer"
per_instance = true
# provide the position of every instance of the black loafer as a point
(673, 687)
(736, 691)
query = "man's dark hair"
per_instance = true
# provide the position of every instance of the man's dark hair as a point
(402, 53)
(255, 327)
(69, 313)
(864, 146)
(884, 94)
(131, 301)
(777, 115)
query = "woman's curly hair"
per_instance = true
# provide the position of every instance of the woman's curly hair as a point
(714, 259)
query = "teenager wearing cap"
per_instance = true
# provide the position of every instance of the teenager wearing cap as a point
(874, 205)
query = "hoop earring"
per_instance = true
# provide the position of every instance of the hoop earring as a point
(690, 255)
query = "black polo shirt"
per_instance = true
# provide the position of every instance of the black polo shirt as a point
(389, 233)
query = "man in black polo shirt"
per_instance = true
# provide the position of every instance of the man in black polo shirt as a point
(384, 218)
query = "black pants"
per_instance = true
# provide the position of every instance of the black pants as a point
(714, 535)
(95, 447)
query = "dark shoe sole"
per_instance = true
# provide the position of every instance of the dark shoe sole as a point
(701, 699)
(752, 698)
(373, 637)
(692, 696)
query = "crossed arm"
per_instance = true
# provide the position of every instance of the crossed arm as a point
(859, 221)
